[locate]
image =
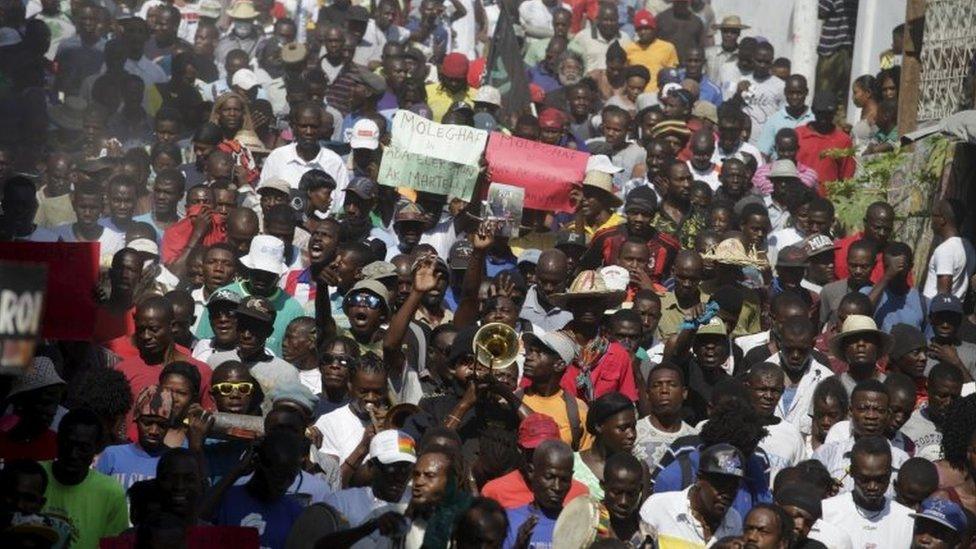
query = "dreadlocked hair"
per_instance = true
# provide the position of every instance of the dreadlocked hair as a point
(499, 455)
(734, 422)
(957, 431)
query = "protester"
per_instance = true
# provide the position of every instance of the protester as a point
(442, 270)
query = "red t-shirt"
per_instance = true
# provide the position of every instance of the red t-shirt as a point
(142, 375)
(813, 143)
(511, 491)
(109, 326)
(42, 448)
(614, 372)
(840, 260)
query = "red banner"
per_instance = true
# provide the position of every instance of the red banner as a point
(72, 274)
(546, 172)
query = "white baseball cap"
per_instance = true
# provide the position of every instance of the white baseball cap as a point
(392, 446)
(365, 135)
(244, 79)
(267, 253)
(488, 94)
(601, 163)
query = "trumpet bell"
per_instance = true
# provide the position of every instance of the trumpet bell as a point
(496, 345)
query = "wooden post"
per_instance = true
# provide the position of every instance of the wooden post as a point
(911, 68)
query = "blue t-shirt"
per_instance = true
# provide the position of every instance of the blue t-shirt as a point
(128, 464)
(754, 489)
(898, 309)
(272, 520)
(541, 534)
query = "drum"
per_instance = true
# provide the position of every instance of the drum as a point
(316, 521)
(580, 523)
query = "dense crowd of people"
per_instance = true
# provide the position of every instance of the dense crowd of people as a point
(290, 350)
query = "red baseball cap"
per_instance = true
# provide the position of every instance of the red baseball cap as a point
(455, 65)
(644, 18)
(551, 119)
(535, 429)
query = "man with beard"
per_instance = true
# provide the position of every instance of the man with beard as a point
(676, 216)
(93, 503)
(255, 318)
(545, 74)
(924, 427)
(550, 478)
(721, 470)
(867, 514)
(392, 458)
(290, 162)
(551, 278)
(298, 349)
(870, 415)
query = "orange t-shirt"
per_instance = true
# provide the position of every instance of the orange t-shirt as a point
(511, 491)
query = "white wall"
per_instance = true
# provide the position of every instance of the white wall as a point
(875, 21)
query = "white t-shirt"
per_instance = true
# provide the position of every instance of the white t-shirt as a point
(311, 379)
(784, 446)
(652, 443)
(836, 458)
(889, 528)
(709, 176)
(954, 257)
(763, 100)
(669, 516)
(924, 434)
(341, 432)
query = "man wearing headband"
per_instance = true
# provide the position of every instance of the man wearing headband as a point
(136, 461)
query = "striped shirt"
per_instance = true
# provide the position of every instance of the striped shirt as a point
(839, 21)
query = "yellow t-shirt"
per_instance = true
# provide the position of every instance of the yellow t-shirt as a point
(440, 101)
(555, 407)
(658, 55)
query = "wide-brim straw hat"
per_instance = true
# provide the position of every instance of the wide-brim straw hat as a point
(589, 285)
(854, 325)
(730, 22)
(603, 181)
(731, 251)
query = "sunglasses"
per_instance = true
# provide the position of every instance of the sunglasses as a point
(363, 299)
(227, 388)
(342, 360)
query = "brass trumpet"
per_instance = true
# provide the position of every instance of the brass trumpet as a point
(495, 345)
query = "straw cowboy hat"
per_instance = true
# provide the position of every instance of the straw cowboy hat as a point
(855, 325)
(589, 285)
(603, 182)
(731, 252)
(730, 22)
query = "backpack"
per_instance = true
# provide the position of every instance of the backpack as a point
(572, 412)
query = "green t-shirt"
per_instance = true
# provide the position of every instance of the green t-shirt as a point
(95, 508)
